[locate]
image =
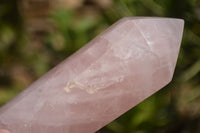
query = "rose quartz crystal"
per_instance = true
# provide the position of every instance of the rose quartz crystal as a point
(3, 131)
(127, 63)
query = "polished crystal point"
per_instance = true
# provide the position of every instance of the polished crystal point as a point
(127, 63)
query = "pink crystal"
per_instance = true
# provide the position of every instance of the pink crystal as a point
(4, 131)
(127, 63)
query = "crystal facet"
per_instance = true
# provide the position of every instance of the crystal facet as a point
(127, 63)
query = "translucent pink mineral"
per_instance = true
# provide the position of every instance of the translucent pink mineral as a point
(127, 63)
(3, 131)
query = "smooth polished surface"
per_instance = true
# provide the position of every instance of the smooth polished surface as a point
(3, 131)
(127, 63)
